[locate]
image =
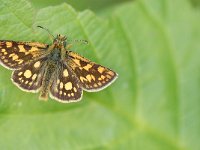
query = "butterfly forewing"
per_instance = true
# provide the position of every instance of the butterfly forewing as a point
(29, 78)
(65, 86)
(13, 54)
(93, 77)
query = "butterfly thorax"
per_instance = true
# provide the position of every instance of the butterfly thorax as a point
(55, 55)
(59, 47)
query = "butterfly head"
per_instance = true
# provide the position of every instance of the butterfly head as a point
(60, 41)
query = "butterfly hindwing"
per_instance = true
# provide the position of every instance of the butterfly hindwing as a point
(65, 86)
(92, 76)
(29, 78)
(14, 54)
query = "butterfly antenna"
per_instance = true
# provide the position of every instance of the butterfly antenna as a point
(79, 41)
(52, 37)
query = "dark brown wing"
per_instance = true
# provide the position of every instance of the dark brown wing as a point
(14, 54)
(92, 76)
(66, 86)
(29, 77)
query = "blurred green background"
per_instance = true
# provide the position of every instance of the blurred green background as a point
(94, 5)
(154, 46)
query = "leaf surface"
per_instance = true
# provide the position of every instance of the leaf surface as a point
(153, 105)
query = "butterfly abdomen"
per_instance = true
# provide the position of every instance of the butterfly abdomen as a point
(47, 80)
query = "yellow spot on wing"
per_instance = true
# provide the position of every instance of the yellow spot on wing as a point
(4, 51)
(75, 90)
(15, 57)
(34, 76)
(87, 67)
(108, 76)
(77, 62)
(61, 85)
(89, 78)
(82, 79)
(20, 73)
(111, 73)
(102, 77)
(65, 73)
(22, 49)
(27, 74)
(34, 49)
(20, 61)
(93, 78)
(11, 55)
(100, 69)
(37, 64)
(68, 86)
(9, 44)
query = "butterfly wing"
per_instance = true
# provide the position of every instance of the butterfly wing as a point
(92, 76)
(29, 77)
(65, 86)
(14, 54)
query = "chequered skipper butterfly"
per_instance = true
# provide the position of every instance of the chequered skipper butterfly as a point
(53, 69)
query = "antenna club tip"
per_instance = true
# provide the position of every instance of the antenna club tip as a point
(86, 41)
(46, 30)
(40, 27)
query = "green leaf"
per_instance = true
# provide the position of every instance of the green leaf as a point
(95, 5)
(154, 104)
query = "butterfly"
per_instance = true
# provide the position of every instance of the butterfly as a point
(53, 70)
